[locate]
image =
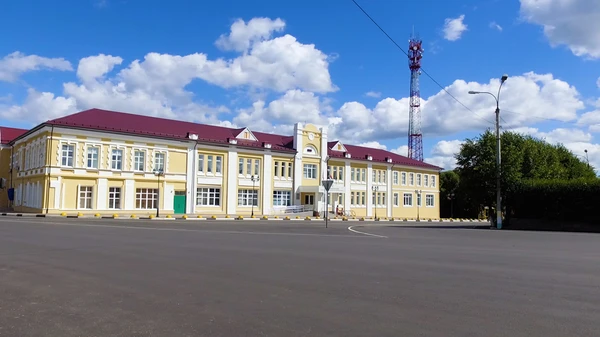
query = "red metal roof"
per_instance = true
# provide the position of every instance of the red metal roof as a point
(112, 121)
(8, 134)
(104, 120)
(378, 155)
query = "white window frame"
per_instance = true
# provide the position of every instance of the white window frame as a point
(218, 165)
(148, 196)
(396, 199)
(409, 197)
(201, 163)
(290, 170)
(419, 179)
(411, 179)
(246, 197)
(87, 199)
(241, 166)
(403, 179)
(257, 167)
(428, 198)
(396, 179)
(309, 171)
(98, 148)
(64, 160)
(212, 196)
(135, 160)
(282, 198)
(112, 158)
(164, 160)
(426, 180)
(433, 180)
(114, 197)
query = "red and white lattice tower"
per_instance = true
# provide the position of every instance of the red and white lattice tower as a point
(415, 137)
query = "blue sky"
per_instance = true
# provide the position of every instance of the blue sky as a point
(321, 73)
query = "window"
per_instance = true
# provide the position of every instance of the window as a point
(116, 162)
(418, 179)
(139, 158)
(396, 199)
(92, 157)
(432, 181)
(277, 169)
(411, 179)
(408, 199)
(352, 174)
(257, 166)
(383, 177)
(241, 166)
(146, 198)
(340, 173)
(357, 198)
(310, 171)
(85, 197)
(418, 199)
(159, 161)
(219, 162)
(282, 198)
(404, 178)
(290, 175)
(363, 177)
(426, 180)
(429, 200)
(201, 163)
(67, 154)
(208, 196)
(282, 173)
(248, 166)
(247, 197)
(395, 178)
(374, 176)
(209, 164)
(114, 197)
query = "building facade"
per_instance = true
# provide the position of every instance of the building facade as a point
(98, 161)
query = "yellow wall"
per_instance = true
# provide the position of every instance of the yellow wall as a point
(210, 210)
(4, 173)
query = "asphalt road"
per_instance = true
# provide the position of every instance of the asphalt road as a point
(73, 277)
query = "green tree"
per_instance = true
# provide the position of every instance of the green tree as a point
(524, 158)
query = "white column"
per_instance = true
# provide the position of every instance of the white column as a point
(232, 179)
(266, 182)
(57, 192)
(298, 169)
(389, 193)
(129, 194)
(369, 194)
(101, 194)
(347, 185)
(191, 179)
(168, 191)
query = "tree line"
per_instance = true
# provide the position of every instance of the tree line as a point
(539, 181)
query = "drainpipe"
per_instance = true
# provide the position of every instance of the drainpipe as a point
(49, 162)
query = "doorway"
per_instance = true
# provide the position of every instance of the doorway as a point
(179, 200)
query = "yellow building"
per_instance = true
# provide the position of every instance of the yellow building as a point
(98, 161)
(6, 136)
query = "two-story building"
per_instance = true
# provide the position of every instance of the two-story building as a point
(100, 161)
(6, 136)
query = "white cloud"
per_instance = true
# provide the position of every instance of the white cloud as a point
(598, 82)
(17, 63)
(495, 26)
(374, 145)
(443, 153)
(243, 34)
(376, 94)
(574, 23)
(454, 28)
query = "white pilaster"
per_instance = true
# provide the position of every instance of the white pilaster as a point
(101, 194)
(347, 184)
(167, 197)
(129, 194)
(389, 195)
(191, 179)
(232, 179)
(267, 183)
(369, 201)
(298, 168)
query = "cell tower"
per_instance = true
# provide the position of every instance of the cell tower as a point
(415, 137)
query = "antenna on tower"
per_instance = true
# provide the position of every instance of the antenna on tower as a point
(415, 136)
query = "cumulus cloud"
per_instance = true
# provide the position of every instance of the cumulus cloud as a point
(495, 26)
(243, 34)
(376, 94)
(573, 23)
(454, 28)
(17, 63)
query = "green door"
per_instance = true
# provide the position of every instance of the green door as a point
(179, 204)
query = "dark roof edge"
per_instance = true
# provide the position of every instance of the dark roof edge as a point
(28, 132)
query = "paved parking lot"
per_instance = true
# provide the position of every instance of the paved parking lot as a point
(75, 277)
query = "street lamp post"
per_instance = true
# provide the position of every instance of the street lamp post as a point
(158, 173)
(375, 189)
(254, 179)
(498, 156)
(418, 193)
(451, 198)
(586, 158)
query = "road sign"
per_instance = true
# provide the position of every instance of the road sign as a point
(327, 183)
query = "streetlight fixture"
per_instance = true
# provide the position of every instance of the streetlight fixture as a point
(375, 189)
(254, 179)
(158, 173)
(498, 156)
(586, 158)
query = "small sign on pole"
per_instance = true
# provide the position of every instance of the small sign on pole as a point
(327, 183)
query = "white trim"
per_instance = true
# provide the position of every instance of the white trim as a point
(267, 188)
(128, 194)
(250, 135)
(102, 194)
(389, 191)
(334, 147)
(232, 177)
(369, 191)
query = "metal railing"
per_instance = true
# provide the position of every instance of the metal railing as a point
(292, 209)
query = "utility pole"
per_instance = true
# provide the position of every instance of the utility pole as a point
(498, 155)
